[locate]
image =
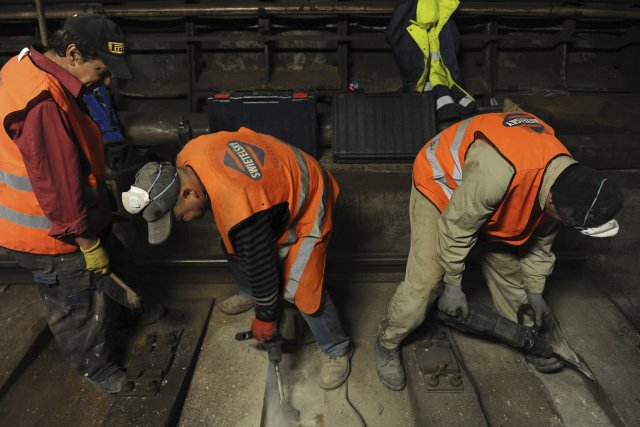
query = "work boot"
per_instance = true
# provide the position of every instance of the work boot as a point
(113, 384)
(335, 370)
(237, 304)
(389, 367)
(144, 316)
(546, 365)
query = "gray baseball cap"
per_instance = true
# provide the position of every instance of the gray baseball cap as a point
(154, 193)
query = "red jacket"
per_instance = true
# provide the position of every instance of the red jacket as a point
(24, 225)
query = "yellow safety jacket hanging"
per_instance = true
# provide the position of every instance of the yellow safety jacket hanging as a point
(451, 99)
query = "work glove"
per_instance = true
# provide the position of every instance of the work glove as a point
(263, 331)
(96, 258)
(452, 300)
(540, 307)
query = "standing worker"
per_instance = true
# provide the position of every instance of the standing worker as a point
(273, 207)
(53, 199)
(504, 178)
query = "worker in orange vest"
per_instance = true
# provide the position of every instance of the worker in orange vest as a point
(53, 197)
(506, 179)
(273, 207)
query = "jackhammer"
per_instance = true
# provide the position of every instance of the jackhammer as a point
(276, 411)
(483, 320)
(547, 341)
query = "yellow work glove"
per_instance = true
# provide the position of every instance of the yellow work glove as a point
(96, 258)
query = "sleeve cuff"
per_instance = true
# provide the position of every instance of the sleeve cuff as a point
(76, 228)
(452, 279)
(267, 314)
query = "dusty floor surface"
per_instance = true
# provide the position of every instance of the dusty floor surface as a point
(49, 393)
(13, 300)
(228, 382)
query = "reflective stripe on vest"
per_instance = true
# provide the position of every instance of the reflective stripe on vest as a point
(14, 181)
(304, 181)
(33, 221)
(292, 235)
(455, 147)
(438, 173)
(307, 245)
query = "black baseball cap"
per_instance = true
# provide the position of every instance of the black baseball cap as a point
(103, 35)
(585, 197)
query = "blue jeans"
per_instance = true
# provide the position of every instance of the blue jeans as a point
(325, 324)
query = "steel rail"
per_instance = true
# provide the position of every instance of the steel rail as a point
(222, 262)
(382, 8)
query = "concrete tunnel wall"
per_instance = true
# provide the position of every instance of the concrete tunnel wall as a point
(501, 54)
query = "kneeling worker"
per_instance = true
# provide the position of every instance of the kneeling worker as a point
(504, 178)
(273, 207)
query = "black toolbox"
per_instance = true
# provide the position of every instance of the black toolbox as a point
(287, 115)
(385, 127)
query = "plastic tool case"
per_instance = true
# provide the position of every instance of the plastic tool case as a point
(287, 115)
(386, 127)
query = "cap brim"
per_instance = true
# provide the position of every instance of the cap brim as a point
(160, 229)
(117, 65)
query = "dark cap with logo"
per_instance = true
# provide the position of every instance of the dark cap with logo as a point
(105, 37)
(154, 193)
(585, 198)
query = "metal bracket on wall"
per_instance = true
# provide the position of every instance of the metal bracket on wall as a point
(151, 364)
(437, 362)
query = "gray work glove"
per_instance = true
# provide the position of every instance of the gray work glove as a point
(453, 299)
(539, 306)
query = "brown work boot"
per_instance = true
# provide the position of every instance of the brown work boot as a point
(335, 370)
(237, 304)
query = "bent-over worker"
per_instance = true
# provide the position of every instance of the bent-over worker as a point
(504, 178)
(273, 207)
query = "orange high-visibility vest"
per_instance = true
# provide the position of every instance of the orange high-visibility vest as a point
(245, 172)
(525, 141)
(24, 225)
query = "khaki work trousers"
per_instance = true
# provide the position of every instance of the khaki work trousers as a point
(416, 293)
